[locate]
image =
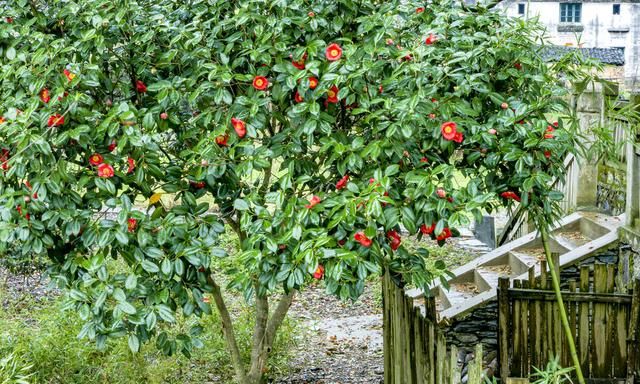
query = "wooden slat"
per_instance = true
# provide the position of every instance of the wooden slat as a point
(503, 327)
(584, 336)
(524, 333)
(558, 333)
(620, 350)
(633, 347)
(610, 340)
(516, 360)
(441, 357)
(605, 298)
(386, 330)
(453, 363)
(571, 312)
(534, 322)
(598, 327)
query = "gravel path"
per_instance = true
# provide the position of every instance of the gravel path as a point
(341, 342)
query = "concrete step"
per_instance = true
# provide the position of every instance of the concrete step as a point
(574, 238)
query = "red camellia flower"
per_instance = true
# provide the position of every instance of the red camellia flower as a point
(4, 158)
(424, 160)
(332, 94)
(105, 171)
(298, 98)
(56, 120)
(300, 63)
(372, 180)
(427, 230)
(9, 20)
(431, 39)
(441, 193)
(132, 224)
(361, 238)
(449, 130)
(342, 182)
(197, 184)
(549, 132)
(394, 238)
(445, 234)
(44, 96)
(458, 137)
(132, 165)
(419, 9)
(315, 200)
(239, 126)
(547, 154)
(96, 159)
(319, 273)
(313, 83)
(510, 195)
(260, 83)
(222, 140)
(112, 146)
(141, 87)
(69, 75)
(555, 124)
(333, 52)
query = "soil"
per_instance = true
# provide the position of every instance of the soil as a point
(341, 342)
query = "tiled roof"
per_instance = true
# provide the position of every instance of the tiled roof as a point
(611, 56)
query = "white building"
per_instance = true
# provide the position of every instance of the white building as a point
(588, 24)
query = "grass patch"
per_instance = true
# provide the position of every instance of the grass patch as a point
(41, 340)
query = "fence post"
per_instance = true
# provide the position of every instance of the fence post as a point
(386, 327)
(503, 327)
(633, 364)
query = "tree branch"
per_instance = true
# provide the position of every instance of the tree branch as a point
(278, 317)
(227, 330)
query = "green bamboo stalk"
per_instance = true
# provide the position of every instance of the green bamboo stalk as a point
(563, 313)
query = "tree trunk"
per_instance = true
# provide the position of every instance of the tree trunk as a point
(261, 351)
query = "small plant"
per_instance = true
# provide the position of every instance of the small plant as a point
(552, 374)
(13, 370)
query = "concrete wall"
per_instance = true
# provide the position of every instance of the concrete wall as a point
(600, 27)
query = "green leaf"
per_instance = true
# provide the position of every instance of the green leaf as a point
(134, 343)
(240, 205)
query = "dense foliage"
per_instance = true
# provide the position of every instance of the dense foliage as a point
(318, 131)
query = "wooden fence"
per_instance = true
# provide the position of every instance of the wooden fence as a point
(415, 350)
(604, 323)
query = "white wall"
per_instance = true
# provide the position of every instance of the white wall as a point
(597, 19)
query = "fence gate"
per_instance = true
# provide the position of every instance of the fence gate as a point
(604, 323)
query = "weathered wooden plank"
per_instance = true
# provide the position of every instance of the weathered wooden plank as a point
(604, 298)
(453, 363)
(431, 359)
(503, 327)
(558, 333)
(475, 367)
(584, 336)
(610, 321)
(524, 333)
(516, 360)
(386, 334)
(441, 357)
(598, 325)
(622, 323)
(398, 339)
(633, 346)
(535, 323)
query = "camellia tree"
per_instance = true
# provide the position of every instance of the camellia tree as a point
(136, 132)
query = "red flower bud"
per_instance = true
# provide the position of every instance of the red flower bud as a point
(319, 273)
(141, 87)
(427, 230)
(361, 238)
(342, 182)
(132, 224)
(431, 39)
(315, 200)
(239, 126)
(164, 116)
(504, 105)
(56, 120)
(441, 193)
